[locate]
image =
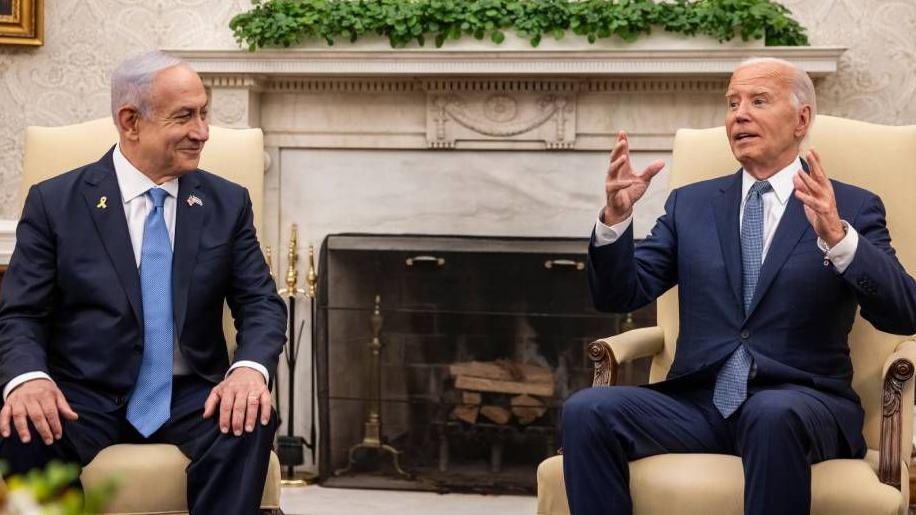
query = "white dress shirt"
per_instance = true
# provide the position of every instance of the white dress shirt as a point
(774, 205)
(137, 205)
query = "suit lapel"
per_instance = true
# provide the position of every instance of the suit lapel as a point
(189, 218)
(108, 216)
(790, 229)
(725, 207)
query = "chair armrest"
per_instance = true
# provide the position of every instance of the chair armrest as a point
(608, 353)
(897, 414)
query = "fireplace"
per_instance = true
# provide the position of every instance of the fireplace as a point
(481, 339)
(457, 140)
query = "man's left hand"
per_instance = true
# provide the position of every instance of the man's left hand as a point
(240, 397)
(816, 193)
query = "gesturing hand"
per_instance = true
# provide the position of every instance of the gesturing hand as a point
(38, 400)
(622, 186)
(816, 193)
(240, 396)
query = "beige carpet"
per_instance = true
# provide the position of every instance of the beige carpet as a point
(317, 500)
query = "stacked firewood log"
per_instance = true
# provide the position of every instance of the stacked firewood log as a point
(500, 390)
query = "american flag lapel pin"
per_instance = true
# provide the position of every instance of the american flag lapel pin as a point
(194, 199)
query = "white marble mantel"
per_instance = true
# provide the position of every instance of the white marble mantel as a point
(578, 62)
(564, 95)
(238, 79)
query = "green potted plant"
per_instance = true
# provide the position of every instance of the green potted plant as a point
(52, 491)
(286, 23)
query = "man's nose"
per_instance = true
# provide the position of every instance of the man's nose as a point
(200, 131)
(741, 112)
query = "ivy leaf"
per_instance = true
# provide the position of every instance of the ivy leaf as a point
(498, 37)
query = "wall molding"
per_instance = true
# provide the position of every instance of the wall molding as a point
(389, 85)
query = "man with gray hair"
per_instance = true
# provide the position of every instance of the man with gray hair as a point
(111, 318)
(771, 263)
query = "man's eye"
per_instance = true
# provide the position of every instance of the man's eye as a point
(733, 105)
(759, 101)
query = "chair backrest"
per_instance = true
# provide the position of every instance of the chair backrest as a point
(235, 154)
(879, 158)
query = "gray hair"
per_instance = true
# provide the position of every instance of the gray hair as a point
(802, 86)
(132, 80)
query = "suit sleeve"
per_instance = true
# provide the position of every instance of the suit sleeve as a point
(259, 313)
(884, 289)
(28, 293)
(623, 277)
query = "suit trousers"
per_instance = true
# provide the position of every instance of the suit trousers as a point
(226, 474)
(778, 432)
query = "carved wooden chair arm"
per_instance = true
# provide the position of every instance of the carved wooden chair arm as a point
(608, 353)
(897, 414)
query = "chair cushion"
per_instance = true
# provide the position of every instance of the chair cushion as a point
(716, 487)
(152, 480)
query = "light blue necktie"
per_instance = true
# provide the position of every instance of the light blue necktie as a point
(150, 402)
(731, 381)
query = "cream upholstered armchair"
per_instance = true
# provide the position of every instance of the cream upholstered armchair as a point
(237, 155)
(881, 159)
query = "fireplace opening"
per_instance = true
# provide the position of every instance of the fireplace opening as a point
(444, 361)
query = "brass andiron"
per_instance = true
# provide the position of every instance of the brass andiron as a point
(312, 277)
(372, 429)
(312, 296)
(289, 446)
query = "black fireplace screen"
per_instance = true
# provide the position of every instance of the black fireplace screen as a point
(444, 361)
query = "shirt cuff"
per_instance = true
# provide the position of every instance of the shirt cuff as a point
(251, 364)
(841, 254)
(22, 378)
(607, 234)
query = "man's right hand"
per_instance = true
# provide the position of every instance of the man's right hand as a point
(38, 400)
(622, 186)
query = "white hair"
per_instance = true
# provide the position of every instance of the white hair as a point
(802, 86)
(132, 81)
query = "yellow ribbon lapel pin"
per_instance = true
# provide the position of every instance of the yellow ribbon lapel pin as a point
(102, 203)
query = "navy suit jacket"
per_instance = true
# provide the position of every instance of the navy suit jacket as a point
(802, 311)
(71, 297)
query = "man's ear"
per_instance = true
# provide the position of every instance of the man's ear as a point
(129, 123)
(804, 121)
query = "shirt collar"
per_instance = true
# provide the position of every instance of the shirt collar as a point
(782, 181)
(132, 182)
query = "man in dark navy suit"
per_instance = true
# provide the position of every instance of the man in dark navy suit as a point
(111, 319)
(771, 263)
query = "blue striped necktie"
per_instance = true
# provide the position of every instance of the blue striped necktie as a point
(731, 381)
(150, 402)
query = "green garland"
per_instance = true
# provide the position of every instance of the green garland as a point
(282, 23)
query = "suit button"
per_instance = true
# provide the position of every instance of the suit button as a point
(745, 334)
